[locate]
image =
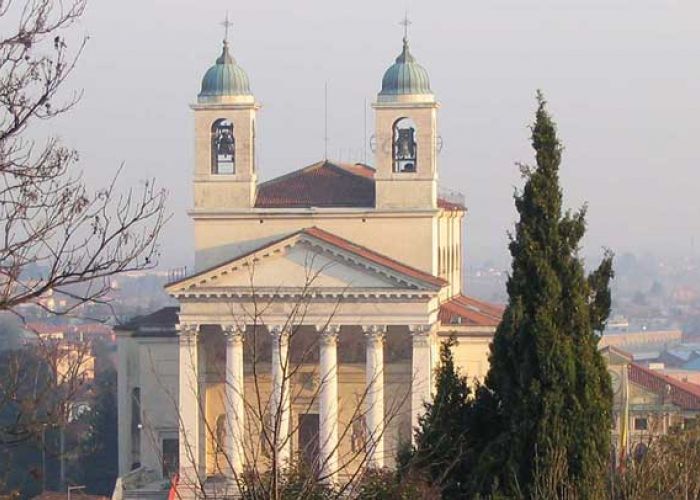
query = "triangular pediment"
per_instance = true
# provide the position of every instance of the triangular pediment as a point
(309, 260)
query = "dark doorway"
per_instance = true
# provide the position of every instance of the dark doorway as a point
(308, 440)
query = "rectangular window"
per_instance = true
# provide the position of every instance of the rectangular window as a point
(641, 424)
(171, 458)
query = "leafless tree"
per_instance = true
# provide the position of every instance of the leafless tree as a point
(665, 467)
(57, 236)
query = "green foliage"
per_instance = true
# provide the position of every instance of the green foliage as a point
(541, 423)
(387, 485)
(442, 448)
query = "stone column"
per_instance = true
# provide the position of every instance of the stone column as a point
(280, 407)
(328, 404)
(375, 396)
(421, 387)
(189, 410)
(235, 404)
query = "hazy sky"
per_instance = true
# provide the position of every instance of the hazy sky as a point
(622, 78)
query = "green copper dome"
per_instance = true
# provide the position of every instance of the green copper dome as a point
(405, 77)
(225, 79)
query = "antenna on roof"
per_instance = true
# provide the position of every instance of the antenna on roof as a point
(364, 137)
(325, 122)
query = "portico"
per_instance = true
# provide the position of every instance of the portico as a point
(385, 296)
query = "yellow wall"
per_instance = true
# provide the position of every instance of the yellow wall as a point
(351, 387)
(408, 240)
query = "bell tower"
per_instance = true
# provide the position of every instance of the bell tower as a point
(224, 116)
(406, 136)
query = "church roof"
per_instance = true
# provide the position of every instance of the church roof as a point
(466, 311)
(162, 321)
(323, 184)
(326, 184)
(331, 239)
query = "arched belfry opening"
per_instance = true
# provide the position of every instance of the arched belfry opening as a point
(223, 147)
(404, 146)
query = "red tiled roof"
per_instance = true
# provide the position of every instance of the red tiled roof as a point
(683, 394)
(326, 184)
(463, 310)
(339, 242)
(449, 205)
(323, 184)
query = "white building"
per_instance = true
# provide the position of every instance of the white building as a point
(310, 328)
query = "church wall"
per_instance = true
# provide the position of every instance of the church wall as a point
(410, 240)
(449, 251)
(159, 368)
(304, 395)
(351, 387)
(471, 355)
(127, 379)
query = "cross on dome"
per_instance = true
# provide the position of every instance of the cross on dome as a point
(405, 22)
(226, 24)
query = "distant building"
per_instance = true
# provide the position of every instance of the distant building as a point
(646, 403)
(640, 339)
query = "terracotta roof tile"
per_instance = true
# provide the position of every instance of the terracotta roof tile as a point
(323, 184)
(326, 184)
(463, 310)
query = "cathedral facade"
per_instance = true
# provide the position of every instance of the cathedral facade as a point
(309, 331)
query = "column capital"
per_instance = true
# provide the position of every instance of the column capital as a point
(234, 333)
(374, 333)
(187, 330)
(329, 334)
(279, 332)
(421, 334)
(420, 329)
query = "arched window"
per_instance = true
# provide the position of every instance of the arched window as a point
(223, 147)
(404, 146)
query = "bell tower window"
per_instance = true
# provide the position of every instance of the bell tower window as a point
(404, 146)
(223, 147)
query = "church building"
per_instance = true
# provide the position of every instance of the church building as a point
(309, 331)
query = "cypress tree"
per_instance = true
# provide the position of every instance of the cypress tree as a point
(441, 452)
(542, 418)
